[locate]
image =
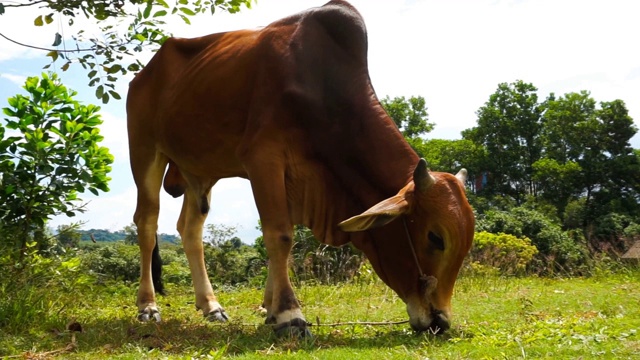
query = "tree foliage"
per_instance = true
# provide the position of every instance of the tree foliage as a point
(218, 234)
(127, 27)
(130, 234)
(508, 128)
(49, 153)
(411, 117)
(557, 151)
(68, 236)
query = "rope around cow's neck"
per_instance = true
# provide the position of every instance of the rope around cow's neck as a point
(423, 277)
(427, 283)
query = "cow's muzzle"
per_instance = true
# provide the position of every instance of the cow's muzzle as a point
(437, 324)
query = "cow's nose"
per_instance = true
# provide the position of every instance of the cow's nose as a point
(439, 324)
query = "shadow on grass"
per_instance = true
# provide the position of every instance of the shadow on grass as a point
(184, 337)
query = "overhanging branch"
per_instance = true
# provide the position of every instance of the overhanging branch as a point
(45, 49)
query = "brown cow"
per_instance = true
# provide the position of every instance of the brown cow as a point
(291, 108)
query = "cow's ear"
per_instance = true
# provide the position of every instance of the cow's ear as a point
(380, 214)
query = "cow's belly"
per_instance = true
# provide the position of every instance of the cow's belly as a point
(203, 148)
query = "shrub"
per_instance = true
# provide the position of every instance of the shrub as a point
(121, 262)
(611, 232)
(26, 282)
(496, 221)
(557, 250)
(114, 262)
(507, 253)
(228, 262)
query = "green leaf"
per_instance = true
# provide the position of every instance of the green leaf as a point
(183, 2)
(58, 40)
(94, 121)
(115, 95)
(48, 19)
(105, 98)
(100, 91)
(114, 69)
(38, 21)
(186, 19)
(92, 73)
(160, 13)
(8, 112)
(187, 11)
(65, 66)
(53, 54)
(1, 9)
(147, 9)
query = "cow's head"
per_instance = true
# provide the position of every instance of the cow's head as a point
(420, 238)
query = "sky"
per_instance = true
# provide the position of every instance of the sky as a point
(453, 53)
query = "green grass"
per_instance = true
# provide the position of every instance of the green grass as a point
(494, 318)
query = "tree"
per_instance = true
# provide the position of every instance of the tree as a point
(452, 155)
(594, 144)
(68, 236)
(218, 234)
(130, 234)
(126, 27)
(411, 118)
(509, 128)
(49, 153)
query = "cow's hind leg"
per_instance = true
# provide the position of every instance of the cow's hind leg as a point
(194, 212)
(283, 309)
(147, 169)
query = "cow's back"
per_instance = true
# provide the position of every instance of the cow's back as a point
(208, 103)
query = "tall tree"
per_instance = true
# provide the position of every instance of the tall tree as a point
(452, 155)
(218, 234)
(508, 128)
(411, 117)
(126, 27)
(594, 143)
(130, 234)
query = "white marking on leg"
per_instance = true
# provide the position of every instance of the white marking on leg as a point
(289, 315)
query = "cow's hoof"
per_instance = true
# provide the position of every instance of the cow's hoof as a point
(217, 315)
(296, 328)
(149, 314)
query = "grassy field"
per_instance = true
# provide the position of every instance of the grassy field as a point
(495, 318)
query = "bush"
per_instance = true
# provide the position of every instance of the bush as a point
(612, 232)
(313, 261)
(114, 262)
(557, 250)
(229, 262)
(121, 262)
(26, 281)
(507, 253)
(496, 221)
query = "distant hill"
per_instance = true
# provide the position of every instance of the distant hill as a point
(102, 235)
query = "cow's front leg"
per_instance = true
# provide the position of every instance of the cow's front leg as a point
(283, 309)
(269, 190)
(190, 226)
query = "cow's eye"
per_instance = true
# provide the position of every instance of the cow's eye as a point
(436, 241)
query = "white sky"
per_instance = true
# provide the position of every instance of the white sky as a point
(453, 53)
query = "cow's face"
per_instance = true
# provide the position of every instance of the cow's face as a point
(432, 215)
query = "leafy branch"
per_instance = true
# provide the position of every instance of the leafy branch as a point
(126, 27)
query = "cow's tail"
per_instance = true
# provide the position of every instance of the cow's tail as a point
(156, 268)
